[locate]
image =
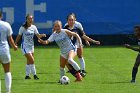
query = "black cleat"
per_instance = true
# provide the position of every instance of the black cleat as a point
(82, 74)
(35, 77)
(132, 81)
(83, 71)
(27, 77)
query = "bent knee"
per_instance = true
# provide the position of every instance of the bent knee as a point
(70, 60)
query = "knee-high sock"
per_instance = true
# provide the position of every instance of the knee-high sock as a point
(33, 69)
(82, 63)
(73, 72)
(8, 81)
(134, 73)
(74, 64)
(28, 70)
(62, 72)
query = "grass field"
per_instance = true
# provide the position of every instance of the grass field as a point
(109, 71)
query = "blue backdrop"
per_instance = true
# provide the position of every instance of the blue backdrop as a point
(98, 17)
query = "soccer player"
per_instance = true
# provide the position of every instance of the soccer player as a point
(5, 57)
(27, 32)
(76, 27)
(61, 37)
(137, 62)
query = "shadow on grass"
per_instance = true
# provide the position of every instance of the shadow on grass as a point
(46, 73)
(50, 82)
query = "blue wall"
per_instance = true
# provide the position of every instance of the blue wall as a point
(99, 17)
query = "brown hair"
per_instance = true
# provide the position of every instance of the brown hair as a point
(71, 14)
(25, 24)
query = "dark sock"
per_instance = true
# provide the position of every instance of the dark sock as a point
(134, 72)
(73, 72)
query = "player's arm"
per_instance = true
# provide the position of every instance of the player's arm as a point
(45, 42)
(17, 39)
(41, 35)
(11, 41)
(132, 48)
(86, 38)
(69, 33)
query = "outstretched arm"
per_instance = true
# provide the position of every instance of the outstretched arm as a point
(17, 39)
(41, 35)
(132, 48)
(11, 41)
(43, 41)
(86, 38)
(69, 33)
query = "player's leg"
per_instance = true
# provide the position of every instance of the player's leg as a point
(71, 55)
(30, 67)
(73, 71)
(63, 62)
(81, 59)
(8, 77)
(135, 68)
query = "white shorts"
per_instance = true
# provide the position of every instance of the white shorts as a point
(27, 50)
(5, 58)
(65, 55)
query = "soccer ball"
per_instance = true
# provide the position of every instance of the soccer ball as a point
(64, 80)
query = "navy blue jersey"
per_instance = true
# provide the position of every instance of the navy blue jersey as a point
(77, 29)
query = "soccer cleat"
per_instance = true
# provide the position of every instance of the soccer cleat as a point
(35, 77)
(83, 71)
(132, 81)
(27, 77)
(82, 74)
(78, 77)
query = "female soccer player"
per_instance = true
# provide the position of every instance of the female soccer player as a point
(61, 37)
(137, 62)
(5, 57)
(27, 32)
(76, 27)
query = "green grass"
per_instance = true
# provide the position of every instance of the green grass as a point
(109, 71)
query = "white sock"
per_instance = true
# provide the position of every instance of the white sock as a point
(62, 72)
(33, 69)
(28, 70)
(8, 81)
(74, 64)
(82, 63)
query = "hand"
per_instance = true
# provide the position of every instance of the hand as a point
(43, 35)
(15, 47)
(97, 42)
(40, 40)
(87, 43)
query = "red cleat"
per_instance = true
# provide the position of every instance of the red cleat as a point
(78, 77)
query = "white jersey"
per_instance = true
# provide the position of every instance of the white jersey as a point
(28, 35)
(5, 31)
(63, 41)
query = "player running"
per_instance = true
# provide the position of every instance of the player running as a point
(76, 27)
(61, 37)
(137, 62)
(5, 57)
(27, 32)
